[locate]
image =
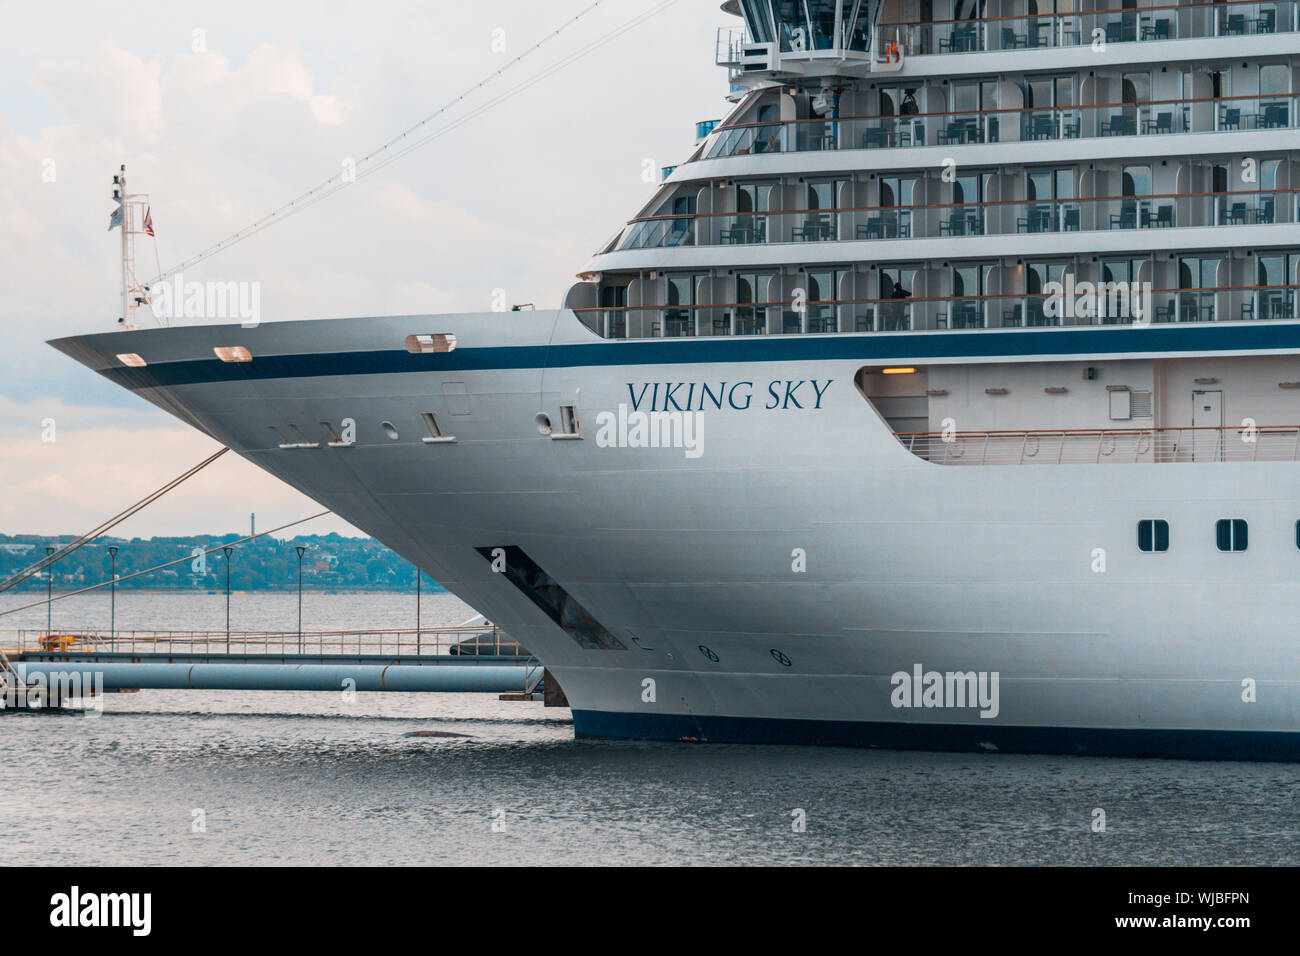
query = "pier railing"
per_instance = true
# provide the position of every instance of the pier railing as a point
(399, 642)
(1106, 445)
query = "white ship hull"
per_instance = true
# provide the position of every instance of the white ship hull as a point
(772, 587)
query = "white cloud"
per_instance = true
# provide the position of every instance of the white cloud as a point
(103, 460)
(109, 92)
(517, 198)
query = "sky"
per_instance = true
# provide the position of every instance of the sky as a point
(224, 111)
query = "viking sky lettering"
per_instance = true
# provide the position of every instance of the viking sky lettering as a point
(700, 396)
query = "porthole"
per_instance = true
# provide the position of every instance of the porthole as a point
(708, 652)
(780, 658)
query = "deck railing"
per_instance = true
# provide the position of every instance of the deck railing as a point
(942, 220)
(921, 313)
(1024, 124)
(1106, 446)
(431, 641)
(1111, 24)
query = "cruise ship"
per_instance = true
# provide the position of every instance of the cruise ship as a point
(947, 396)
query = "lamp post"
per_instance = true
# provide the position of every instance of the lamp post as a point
(301, 550)
(49, 590)
(227, 550)
(112, 612)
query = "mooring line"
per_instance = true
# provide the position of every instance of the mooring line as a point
(107, 526)
(188, 557)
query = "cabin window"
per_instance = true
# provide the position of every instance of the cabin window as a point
(824, 196)
(857, 23)
(1274, 79)
(754, 197)
(679, 317)
(1230, 534)
(569, 419)
(753, 292)
(822, 286)
(899, 101)
(1153, 535)
(897, 190)
(756, 17)
(613, 299)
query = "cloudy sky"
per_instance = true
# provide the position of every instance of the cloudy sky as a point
(224, 111)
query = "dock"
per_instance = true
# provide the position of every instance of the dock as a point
(428, 660)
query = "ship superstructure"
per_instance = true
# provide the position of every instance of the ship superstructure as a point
(946, 396)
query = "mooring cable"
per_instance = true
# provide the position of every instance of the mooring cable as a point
(342, 180)
(98, 531)
(182, 560)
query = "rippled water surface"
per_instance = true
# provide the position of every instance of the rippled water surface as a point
(301, 778)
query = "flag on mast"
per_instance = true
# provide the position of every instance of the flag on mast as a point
(148, 221)
(115, 220)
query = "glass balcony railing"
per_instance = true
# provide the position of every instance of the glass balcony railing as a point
(942, 220)
(660, 233)
(948, 313)
(1144, 118)
(1156, 22)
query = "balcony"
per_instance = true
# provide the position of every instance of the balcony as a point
(942, 313)
(954, 220)
(1142, 118)
(1115, 24)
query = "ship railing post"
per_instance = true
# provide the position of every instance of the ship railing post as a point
(984, 458)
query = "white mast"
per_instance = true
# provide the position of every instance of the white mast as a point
(131, 221)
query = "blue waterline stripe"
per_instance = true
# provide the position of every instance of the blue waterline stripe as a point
(1083, 741)
(1083, 343)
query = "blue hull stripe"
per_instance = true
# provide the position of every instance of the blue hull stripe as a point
(1086, 741)
(1083, 343)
